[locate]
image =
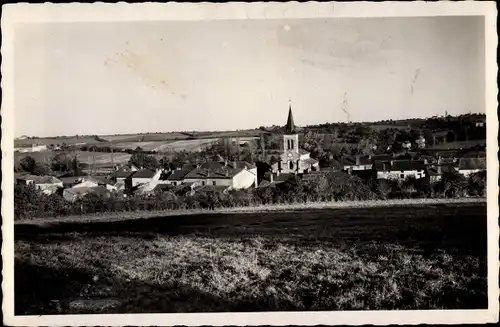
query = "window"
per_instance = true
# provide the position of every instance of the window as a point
(288, 144)
(291, 165)
(402, 176)
(174, 183)
(291, 142)
(213, 183)
(203, 183)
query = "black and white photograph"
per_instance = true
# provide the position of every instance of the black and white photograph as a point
(253, 163)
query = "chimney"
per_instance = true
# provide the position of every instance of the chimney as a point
(234, 164)
(271, 178)
(357, 160)
(225, 162)
(439, 169)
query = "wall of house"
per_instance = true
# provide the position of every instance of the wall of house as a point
(245, 179)
(210, 181)
(46, 186)
(137, 181)
(397, 174)
(69, 196)
(358, 167)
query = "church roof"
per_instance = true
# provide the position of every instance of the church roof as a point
(290, 126)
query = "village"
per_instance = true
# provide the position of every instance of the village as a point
(224, 175)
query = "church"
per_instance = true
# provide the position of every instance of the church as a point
(293, 159)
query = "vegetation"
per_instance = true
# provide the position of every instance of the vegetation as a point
(30, 202)
(342, 259)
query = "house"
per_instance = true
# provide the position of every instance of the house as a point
(480, 123)
(144, 176)
(400, 169)
(75, 193)
(177, 176)
(83, 181)
(351, 163)
(293, 159)
(436, 172)
(235, 175)
(468, 166)
(47, 184)
(123, 176)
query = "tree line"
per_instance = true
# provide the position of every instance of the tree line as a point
(333, 186)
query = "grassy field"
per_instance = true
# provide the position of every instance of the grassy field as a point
(420, 257)
(86, 157)
(458, 145)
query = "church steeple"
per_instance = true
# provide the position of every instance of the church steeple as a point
(290, 126)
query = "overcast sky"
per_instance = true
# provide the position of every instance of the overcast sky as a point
(107, 78)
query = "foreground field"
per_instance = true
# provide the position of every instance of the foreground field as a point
(377, 258)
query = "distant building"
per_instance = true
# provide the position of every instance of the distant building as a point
(293, 159)
(480, 123)
(420, 142)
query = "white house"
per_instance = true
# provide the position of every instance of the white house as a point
(234, 175)
(47, 184)
(73, 194)
(400, 169)
(352, 163)
(144, 176)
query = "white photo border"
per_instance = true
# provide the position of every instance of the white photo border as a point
(14, 14)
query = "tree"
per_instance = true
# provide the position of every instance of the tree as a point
(142, 160)
(28, 164)
(62, 163)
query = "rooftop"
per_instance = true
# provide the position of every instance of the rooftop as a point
(144, 173)
(290, 125)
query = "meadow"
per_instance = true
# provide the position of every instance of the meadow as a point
(85, 157)
(400, 257)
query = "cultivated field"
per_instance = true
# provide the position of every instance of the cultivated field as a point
(407, 257)
(145, 137)
(167, 146)
(86, 157)
(69, 140)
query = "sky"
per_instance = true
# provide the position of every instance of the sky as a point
(136, 77)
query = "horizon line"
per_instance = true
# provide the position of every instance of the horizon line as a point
(255, 128)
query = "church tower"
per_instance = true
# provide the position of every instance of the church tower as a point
(290, 156)
(290, 137)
